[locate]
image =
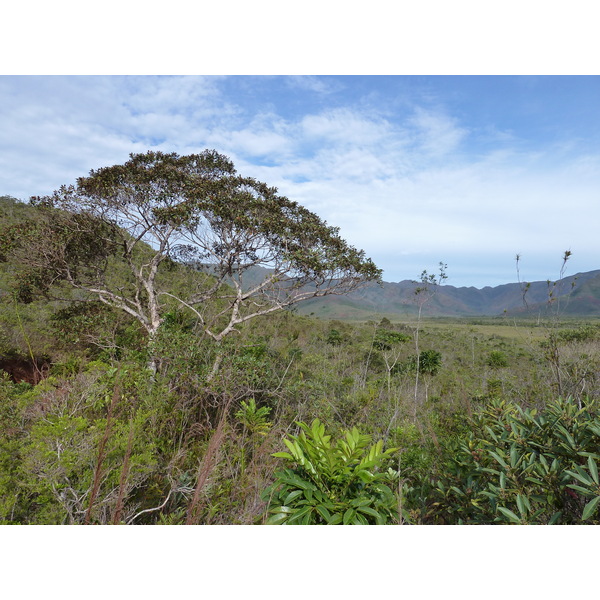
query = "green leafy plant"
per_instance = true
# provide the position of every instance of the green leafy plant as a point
(587, 485)
(428, 362)
(384, 339)
(334, 483)
(522, 467)
(334, 337)
(496, 359)
(252, 418)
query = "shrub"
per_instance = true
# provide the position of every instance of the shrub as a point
(332, 483)
(334, 337)
(518, 466)
(254, 419)
(429, 362)
(497, 359)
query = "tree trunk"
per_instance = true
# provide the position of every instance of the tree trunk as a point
(216, 365)
(153, 361)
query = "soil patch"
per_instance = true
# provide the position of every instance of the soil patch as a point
(25, 369)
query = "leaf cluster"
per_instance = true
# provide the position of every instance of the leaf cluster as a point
(386, 339)
(523, 467)
(428, 362)
(341, 482)
(253, 418)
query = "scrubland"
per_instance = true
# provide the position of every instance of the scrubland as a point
(496, 422)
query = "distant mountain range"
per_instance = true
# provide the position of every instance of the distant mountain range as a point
(576, 295)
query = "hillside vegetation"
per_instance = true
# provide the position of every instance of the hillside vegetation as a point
(291, 419)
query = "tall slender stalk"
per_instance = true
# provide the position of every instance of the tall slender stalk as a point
(207, 465)
(424, 292)
(116, 519)
(102, 453)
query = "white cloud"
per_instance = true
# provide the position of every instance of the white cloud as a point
(344, 126)
(436, 134)
(251, 142)
(266, 136)
(404, 188)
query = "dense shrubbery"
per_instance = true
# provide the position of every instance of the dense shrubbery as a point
(517, 466)
(105, 441)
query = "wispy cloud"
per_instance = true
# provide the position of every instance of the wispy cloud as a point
(344, 126)
(410, 182)
(436, 134)
(311, 83)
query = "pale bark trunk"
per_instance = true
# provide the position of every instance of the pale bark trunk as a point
(216, 366)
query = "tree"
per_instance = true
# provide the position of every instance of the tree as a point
(115, 233)
(424, 292)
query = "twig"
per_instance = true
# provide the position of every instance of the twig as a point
(147, 510)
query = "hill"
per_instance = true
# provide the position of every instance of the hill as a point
(576, 295)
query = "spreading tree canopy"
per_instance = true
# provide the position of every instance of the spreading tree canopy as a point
(160, 209)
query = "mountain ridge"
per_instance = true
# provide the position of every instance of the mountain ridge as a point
(574, 295)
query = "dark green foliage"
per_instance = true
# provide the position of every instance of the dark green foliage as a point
(385, 323)
(15, 223)
(334, 337)
(385, 339)
(496, 359)
(99, 330)
(521, 466)
(428, 361)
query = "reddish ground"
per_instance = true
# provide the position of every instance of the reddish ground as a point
(25, 369)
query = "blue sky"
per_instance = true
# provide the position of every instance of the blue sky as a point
(468, 170)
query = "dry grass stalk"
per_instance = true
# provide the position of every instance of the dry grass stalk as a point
(207, 465)
(116, 519)
(102, 452)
